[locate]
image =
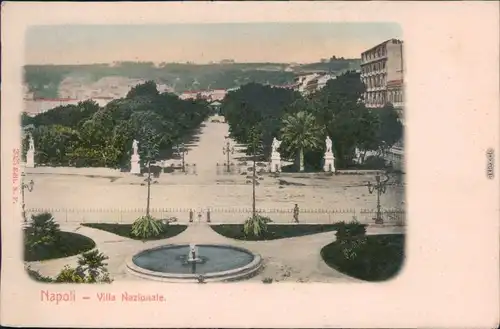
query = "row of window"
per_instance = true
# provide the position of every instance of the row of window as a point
(373, 67)
(375, 53)
(381, 97)
(395, 96)
(375, 81)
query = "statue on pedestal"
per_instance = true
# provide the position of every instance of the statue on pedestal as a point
(328, 143)
(135, 146)
(275, 145)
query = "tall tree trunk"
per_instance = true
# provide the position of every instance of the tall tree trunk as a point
(301, 160)
(149, 188)
(254, 178)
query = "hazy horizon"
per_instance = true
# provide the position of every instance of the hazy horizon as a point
(203, 43)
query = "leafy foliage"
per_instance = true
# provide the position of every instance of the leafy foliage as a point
(370, 258)
(88, 135)
(300, 132)
(353, 229)
(336, 110)
(256, 225)
(146, 227)
(35, 275)
(92, 267)
(255, 106)
(126, 229)
(273, 232)
(42, 231)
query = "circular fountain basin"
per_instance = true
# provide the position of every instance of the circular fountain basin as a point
(214, 262)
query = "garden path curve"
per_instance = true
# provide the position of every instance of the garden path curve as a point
(295, 259)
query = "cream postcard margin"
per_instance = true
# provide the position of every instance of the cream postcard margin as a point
(451, 275)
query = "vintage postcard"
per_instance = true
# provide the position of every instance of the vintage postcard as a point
(207, 165)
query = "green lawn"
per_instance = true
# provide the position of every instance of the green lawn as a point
(124, 230)
(379, 259)
(235, 231)
(69, 244)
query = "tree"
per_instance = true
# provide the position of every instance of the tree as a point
(54, 144)
(147, 89)
(255, 145)
(42, 231)
(391, 128)
(92, 266)
(150, 142)
(256, 105)
(301, 132)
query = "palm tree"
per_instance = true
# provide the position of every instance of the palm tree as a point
(300, 132)
(43, 230)
(92, 263)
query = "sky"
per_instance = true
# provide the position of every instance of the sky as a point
(203, 43)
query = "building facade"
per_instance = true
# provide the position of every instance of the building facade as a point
(382, 72)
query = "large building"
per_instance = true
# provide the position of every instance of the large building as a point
(382, 72)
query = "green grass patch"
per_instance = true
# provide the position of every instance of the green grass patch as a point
(379, 259)
(68, 244)
(125, 229)
(274, 232)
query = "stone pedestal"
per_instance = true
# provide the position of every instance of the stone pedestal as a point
(30, 159)
(329, 165)
(275, 163)
(135, 164)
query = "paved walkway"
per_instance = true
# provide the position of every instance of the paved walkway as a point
(295, 259)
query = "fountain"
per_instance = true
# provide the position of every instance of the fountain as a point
(190, 262)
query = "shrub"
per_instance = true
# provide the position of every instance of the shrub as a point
(372, 258)
(69, 275)
(256, 225)
(42, 231)
(267, 280)
(347, 231)
(92, 267)
(146, 227)
(35, 275)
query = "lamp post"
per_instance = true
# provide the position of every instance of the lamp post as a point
(227, 150)
(380, 187)
(181, 149)
(28, 186)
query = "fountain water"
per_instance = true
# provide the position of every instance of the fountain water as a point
(186, 263)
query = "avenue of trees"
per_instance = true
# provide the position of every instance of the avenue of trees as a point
(303, 123)
(93, 136)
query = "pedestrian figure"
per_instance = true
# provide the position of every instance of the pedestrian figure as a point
(199, 216)
(208, 215)
(296, 213)
(191, 215)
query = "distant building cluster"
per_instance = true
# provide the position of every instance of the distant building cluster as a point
(309, 83)
(382, 72)
(74, 90)
(208, 95)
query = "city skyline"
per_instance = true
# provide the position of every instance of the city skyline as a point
(203, 43)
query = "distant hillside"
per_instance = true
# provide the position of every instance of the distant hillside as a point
(44, 80)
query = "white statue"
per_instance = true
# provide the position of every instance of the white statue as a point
(32, 143)
(275, 145)
(328, 142)
(135, 146)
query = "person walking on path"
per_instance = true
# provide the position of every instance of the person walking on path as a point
(296, 213)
